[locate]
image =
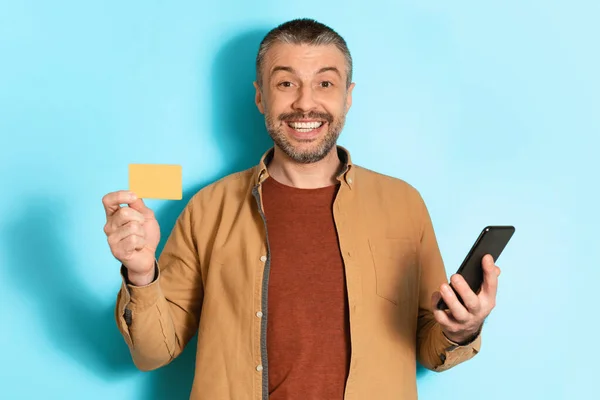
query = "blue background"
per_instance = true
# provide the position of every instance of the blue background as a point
(491, 110)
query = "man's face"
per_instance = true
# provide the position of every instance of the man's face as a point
(304, 99)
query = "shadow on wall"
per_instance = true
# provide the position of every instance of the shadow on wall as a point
(421, 371)
(240, 132)
(75, 321)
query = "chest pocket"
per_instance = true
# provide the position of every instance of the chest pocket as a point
(395, 267)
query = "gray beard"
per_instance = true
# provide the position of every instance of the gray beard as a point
(306, 157)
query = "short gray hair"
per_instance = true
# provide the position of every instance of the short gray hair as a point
(303, 31)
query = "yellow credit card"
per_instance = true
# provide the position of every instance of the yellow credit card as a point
(156, 181)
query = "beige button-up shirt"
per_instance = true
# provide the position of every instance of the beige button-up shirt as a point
(213, 274)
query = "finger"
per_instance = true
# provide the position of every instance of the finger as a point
(435, 298)
(490, 277)
(126, 215)
(123, 216)
(129, 245)
(470, 299)
(444, 319)
(458, 311)
(441, 316)
(112, 201)
(132, 228)
(141, 207)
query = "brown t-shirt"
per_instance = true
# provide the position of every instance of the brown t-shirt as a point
(308, 342)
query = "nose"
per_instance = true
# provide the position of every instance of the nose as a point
(304, 100)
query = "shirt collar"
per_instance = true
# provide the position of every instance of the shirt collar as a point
(346, 175)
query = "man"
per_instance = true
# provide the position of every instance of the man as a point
(305, 277)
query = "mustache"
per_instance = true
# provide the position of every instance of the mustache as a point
(311, 115)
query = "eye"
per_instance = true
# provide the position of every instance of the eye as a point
(326, 84)
(285, 84)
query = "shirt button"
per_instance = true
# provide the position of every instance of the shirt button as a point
(263, 258)
(259, 368)
(259, 314)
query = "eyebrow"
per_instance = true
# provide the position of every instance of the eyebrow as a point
(292, 71)
(334, 69)
(282, 68)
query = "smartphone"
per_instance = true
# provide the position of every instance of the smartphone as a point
(492, 240)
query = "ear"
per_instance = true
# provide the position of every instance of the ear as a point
(258, 98)
(349, 96)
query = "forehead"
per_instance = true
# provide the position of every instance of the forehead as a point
(304, 58)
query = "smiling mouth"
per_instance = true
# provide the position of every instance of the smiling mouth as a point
(305, 127)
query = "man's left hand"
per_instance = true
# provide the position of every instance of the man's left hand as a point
(461, 324)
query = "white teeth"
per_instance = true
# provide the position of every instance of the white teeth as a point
(305, 126)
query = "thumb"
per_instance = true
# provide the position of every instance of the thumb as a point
(141, 207)
(490, 278)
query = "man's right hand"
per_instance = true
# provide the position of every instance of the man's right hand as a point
(133, 235)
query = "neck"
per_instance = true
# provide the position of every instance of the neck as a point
(305, 176)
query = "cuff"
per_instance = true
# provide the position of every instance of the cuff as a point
(453, 353)
(466, 343)
(141, 297)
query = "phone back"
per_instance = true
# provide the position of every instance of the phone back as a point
(492, 240)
